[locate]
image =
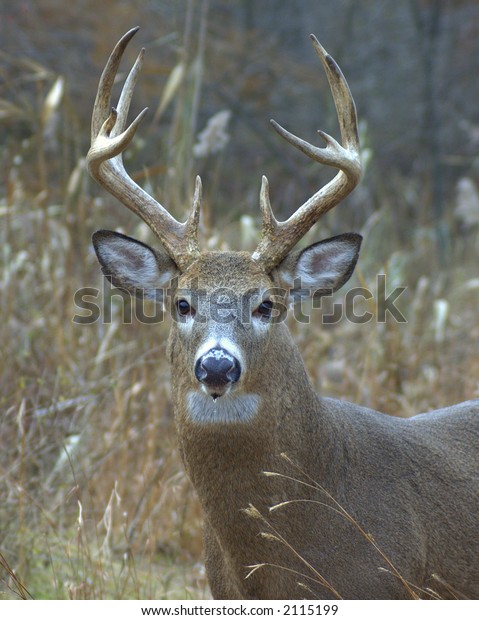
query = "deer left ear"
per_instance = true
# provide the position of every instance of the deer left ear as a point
(321, 268)
(133, 266)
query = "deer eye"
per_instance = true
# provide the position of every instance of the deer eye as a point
(264, 310)
(184, 308)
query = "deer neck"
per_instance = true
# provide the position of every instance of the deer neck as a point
(228, 443)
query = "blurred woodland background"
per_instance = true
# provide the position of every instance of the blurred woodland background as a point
(93, 499)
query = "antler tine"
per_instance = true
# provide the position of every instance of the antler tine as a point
(105, 163)
(343, 100)
(102, 105)
(278, 238)
(126, 95)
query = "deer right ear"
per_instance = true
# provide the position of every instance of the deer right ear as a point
(133, 266)
(321, 268)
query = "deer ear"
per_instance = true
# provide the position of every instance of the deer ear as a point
(321, 268)
(133, 266)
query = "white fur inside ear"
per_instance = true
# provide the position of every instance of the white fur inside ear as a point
(130, 261)
(321, 266)
(133, 265)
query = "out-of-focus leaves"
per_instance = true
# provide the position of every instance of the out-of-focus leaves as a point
(52, 101)
(171, 88)
(9, 111)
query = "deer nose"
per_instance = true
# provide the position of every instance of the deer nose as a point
(216, 369)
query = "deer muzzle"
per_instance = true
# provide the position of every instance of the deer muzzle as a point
(217, 370)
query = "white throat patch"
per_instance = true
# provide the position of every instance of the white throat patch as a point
(227, 409)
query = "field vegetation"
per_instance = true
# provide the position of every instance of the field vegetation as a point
(94, 502)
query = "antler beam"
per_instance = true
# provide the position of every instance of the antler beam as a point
(110, 137)
(278, 238)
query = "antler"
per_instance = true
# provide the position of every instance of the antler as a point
(279, 237)
(109, 139)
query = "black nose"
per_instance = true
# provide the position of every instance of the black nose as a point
(217, 368)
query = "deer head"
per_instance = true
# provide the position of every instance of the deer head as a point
(238, 288)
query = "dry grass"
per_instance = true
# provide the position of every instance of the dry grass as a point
(309, 576)
(93, 499)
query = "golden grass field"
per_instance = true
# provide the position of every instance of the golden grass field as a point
(94, 502)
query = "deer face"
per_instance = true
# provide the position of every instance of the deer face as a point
(224, 306)
(223, 311)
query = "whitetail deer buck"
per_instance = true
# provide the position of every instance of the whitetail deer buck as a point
(367, 505)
